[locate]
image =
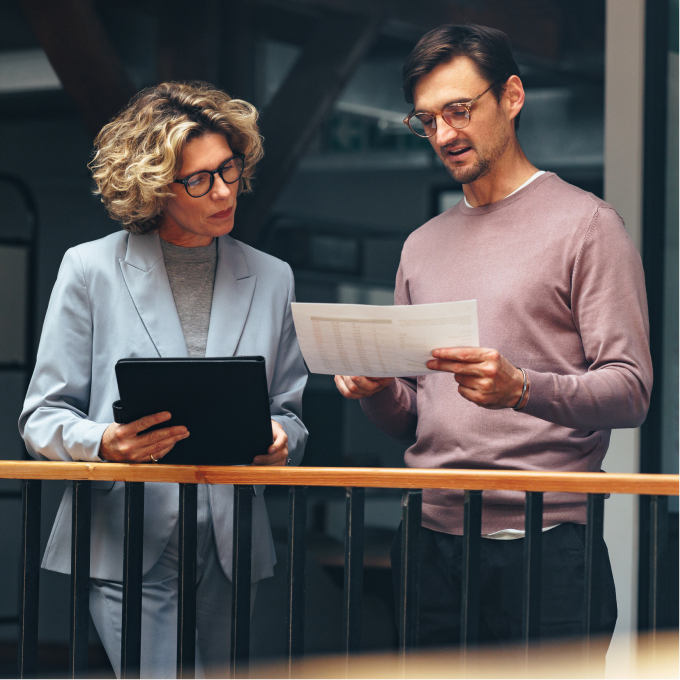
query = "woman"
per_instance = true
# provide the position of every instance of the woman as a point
(172, 284)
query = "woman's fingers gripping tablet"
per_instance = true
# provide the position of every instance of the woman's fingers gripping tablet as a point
(277, 453)
(124, 444)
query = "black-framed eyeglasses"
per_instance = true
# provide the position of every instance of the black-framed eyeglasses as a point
(200, 183)
(456, 115)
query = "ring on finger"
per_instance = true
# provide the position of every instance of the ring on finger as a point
(153, 460)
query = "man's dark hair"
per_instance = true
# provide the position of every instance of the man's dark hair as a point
(488, 48)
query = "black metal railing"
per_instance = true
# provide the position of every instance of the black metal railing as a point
(355, 480)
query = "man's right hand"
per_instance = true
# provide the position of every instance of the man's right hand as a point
(358, 387)
(120, 443)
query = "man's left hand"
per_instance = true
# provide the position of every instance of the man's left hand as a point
(277, 453)
(484, 377)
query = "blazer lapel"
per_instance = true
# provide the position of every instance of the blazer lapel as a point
(147, 280)
(232, 297)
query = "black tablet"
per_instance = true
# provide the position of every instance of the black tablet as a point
(223, 402)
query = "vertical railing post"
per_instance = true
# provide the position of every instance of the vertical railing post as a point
(409, 615)
(29, 579)
(354, 569)
(593, 569)
(186, 581)
(644, 545)
(472, 545)
(295, 586)
(80, 578)
(658, 545)
(240, 585)
(531, 608)
(133, 540)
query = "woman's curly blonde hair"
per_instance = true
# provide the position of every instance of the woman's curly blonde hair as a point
(139, 152)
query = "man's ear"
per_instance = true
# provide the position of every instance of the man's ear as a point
(513, 97)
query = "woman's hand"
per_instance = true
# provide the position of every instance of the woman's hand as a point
(358, 387)
(121, 443)
(277, 453)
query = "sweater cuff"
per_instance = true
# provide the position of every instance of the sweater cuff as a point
(541, 395)
(386, 399)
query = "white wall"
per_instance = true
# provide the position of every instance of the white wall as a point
(624, 88)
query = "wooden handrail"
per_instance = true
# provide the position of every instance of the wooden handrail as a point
(397, 478)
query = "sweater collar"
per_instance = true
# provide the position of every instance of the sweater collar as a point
(515, 196)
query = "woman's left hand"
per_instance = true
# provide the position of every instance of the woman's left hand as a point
(277, 454)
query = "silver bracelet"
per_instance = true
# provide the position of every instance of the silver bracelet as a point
(524, 390)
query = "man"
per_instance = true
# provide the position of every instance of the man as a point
(564, 333)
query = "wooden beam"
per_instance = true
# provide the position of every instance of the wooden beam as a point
(188, 41)
(296, 112)
(238, 49)
(80, 53)
(392, 478)
(533, 26)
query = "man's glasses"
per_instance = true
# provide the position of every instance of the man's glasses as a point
(456, 115)
(200, 183)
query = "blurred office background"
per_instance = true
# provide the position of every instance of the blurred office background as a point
(342, 185)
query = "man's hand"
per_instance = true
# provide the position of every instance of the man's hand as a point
(121, 443)
(277, 453)
(357, 387)
(484, 377)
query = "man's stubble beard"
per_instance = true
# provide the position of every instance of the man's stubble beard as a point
(467, 175)
(482, 167)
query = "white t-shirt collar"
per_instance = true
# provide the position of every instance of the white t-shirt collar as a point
(529, 181)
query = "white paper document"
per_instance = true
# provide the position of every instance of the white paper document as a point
(379, 341)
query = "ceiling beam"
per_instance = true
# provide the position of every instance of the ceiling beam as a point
(188, 41)
(238, 49)
(533, 26)
(293, 117)
(79, 50)
(216, 45)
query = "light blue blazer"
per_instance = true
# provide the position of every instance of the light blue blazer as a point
(112, 300)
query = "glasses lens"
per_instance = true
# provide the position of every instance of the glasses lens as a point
(456, 116)
(198, 184)
(423, 124)
(231, 172)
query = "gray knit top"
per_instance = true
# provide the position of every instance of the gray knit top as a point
(191, 272)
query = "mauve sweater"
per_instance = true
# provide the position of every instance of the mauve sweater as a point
(560, 292)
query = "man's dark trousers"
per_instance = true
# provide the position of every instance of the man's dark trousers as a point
(501, 596)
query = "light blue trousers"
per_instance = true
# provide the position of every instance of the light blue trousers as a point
(159, 608)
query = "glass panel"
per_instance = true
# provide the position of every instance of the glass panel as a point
(13, 223)
(335, 253)
(12, 393)
(381, 258)
(359, 294)
(447, 199)
(13, 262)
